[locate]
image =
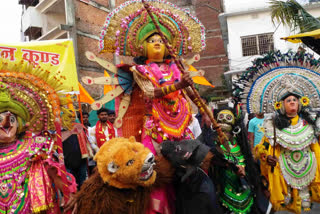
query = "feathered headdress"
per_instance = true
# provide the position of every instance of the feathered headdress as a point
(276, 75)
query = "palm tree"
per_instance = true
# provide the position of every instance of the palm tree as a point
(291, 13)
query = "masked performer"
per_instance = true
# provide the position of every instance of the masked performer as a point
(130, 31)
(31, 159)
(289, 153)
(235, 174)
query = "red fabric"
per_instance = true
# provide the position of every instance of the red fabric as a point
(83, 141)
(100, 136)
(66, 191)
(111, 131)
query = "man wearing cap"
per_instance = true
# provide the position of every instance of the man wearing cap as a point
(103, 130)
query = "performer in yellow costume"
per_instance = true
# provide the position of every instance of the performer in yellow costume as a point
(289, 153)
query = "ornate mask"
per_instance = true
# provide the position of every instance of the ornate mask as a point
(291, 105)
(8, 127)
(226, 120)
(155, 48)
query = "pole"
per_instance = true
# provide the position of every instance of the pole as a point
(80, 110)
(274, 139)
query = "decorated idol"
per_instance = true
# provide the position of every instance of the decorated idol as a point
(287, 85)
(31, 161)
(154, 36)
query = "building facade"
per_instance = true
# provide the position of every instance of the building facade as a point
(82, 20)
(248, 32)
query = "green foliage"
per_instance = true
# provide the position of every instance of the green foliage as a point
(291, 13)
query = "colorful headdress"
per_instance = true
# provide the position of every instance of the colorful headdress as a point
(129, 25)
(34, 95)
(275, 76)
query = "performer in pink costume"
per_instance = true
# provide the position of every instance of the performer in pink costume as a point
(31, 160)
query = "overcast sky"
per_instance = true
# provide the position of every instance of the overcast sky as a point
(10, 18)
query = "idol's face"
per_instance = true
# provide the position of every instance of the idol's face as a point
(155, 48)
(291, 105)
(8, 127)
(226, 120)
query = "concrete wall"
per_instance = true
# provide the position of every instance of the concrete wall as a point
(214, 58)
(241, 22)
(52, 20)
(233, 6)
(31, 17)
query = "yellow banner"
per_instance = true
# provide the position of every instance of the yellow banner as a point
(58, 54)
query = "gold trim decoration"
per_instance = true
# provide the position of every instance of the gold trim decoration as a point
(120, 33)
(39, 91)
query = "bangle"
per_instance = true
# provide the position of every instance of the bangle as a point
(163, 91)
(168, 89)
(173, 88)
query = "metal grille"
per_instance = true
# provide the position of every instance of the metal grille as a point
(257, 44)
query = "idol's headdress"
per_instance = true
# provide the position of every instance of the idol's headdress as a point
(128, 26)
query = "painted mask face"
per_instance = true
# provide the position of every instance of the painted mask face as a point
(155, 48)
(291, 105)
(8, 127)
(225, 119)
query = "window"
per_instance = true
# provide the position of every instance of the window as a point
(257, 44)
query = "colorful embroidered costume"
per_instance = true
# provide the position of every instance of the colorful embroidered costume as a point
(237, 181)
(31, 160)
(234, 196)
(167, 117)
(289, 83)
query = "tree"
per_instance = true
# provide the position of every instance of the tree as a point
(291, 13)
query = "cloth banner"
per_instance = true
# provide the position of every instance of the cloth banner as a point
(58, 54)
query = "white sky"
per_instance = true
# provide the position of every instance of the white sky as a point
(10, 18)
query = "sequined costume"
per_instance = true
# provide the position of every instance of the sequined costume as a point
(31, 164)
(234, 197)
(269, 86)
(295, 180)
(235, 173)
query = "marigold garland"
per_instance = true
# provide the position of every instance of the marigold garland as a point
(278, 105)
(304, 101)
